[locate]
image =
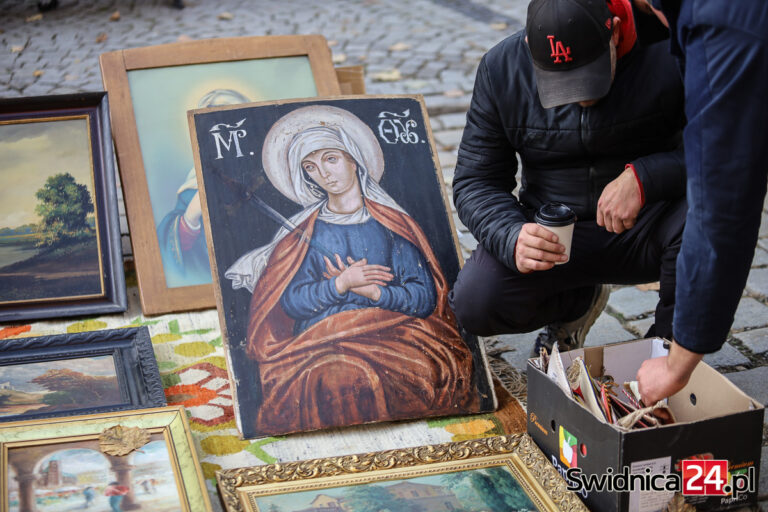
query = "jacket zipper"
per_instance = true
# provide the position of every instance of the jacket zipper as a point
(591, 167)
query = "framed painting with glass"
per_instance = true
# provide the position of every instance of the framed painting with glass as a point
(60, 252)
(131, 460)
(491, 474)
(334, 287)
(153, 88)
(79, 373)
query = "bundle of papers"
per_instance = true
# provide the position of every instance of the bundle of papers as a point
(604, 398)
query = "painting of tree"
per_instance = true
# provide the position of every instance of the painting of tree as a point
(63, 206)
(495, 486)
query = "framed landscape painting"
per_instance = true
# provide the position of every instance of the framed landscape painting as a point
(492, 474)
(333, 288)
(60, 252)
(80, 373)
(152, 90)
(64, 464)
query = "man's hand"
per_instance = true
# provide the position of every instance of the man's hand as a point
(537, 249)
(619, 203)
(662, 377)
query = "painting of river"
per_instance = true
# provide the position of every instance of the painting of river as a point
(49, 246)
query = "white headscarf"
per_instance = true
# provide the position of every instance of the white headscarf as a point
(247, 270)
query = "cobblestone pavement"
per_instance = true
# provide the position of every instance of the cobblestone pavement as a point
(429, 47)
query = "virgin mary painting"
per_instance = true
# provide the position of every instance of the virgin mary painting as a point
(349, 321)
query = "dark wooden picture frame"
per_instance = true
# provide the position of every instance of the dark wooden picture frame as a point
(155, 293)
(296, 348)
(137, 377)
(94, 108)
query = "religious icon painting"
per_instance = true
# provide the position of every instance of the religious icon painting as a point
(334, 253)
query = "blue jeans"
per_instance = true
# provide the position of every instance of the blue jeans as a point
(724, 45)
(115, 503)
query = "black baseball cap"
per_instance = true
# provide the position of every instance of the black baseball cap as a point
(569, 42)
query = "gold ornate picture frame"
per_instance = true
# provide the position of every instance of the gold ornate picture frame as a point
(148, 462)
(331, 482)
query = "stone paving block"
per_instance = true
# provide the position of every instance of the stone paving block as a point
(467, 241)
(631, 302)
(750, 313)
(756, 340)
(449, 138)
(453, 121)
(441, 104)
(757, 282)
(520, 346)
(447, 158)
(763, 226)
(605, 331)
(752, 382)
(761, 258)
(726, 356)
(642, 325)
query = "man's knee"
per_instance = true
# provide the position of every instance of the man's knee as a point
(474, 301)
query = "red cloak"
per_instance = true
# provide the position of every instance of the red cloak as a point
(355, 366)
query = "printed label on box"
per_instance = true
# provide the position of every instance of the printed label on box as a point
(650, 501)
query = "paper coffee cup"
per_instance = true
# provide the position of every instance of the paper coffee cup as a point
(559, 219)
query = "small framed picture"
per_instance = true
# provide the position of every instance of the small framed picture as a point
(79, 373)
(333, 288)
(494, 473)
(152, 89)
(60, 252)
(131, 460)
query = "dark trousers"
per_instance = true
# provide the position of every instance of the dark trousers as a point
(489, 298)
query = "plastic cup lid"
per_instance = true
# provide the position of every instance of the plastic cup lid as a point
(555, 214)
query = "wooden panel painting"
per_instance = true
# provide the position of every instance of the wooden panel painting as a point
(476, 490)
(53, 386)
(334, 255)
(49, 245)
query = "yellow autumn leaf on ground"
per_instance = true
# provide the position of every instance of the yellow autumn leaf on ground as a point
(226, 16)
(332, 43)
(398, 47)
(499, 26)
(16, 48)
(392, 75)
(453, 93)
(339, 58)
(101, 37)
(474, 427)
(34, 17)
(115, 16)
(37, 73)
(120, 441)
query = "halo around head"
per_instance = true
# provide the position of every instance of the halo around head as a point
(274, 154)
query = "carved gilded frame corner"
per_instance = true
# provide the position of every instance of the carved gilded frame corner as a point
(240, 488)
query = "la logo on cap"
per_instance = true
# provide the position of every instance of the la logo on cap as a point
(560, 52)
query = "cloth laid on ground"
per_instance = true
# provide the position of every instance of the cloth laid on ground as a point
(190, 355)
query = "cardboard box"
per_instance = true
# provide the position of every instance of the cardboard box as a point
(715, 420)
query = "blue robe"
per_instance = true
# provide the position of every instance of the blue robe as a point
(311, 297)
